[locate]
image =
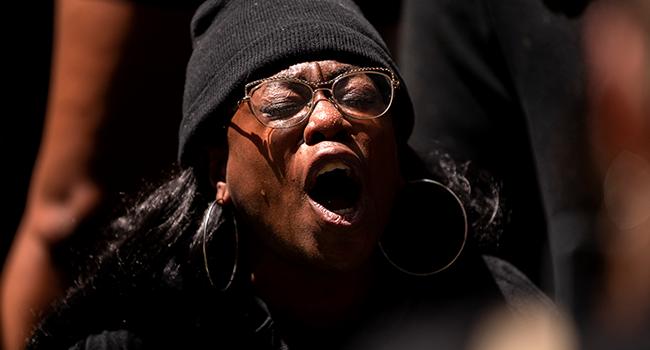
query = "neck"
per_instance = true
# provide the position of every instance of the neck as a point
(317, 299)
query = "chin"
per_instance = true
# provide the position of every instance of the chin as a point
(343, 256)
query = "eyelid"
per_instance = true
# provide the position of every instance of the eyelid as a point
(252, 86)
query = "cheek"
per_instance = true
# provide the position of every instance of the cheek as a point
(257, 179)
(385, 175)
(243, 182)
(380, 148)
(246, 172)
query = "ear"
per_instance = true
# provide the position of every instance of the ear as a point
(223, 195)
(215, 160)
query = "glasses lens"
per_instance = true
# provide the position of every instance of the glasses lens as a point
(281, 104)
(364, 94)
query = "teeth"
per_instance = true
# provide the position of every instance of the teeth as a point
(333, 166)
(343, 211)
(348, 171)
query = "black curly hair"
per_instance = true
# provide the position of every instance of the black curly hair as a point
(152, 253)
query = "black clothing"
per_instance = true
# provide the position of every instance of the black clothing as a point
(502, 83)
(401, 312)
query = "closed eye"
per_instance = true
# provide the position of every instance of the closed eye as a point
(281, 110)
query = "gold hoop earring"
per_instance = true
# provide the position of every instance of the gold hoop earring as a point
(412, 246)
(205, 255)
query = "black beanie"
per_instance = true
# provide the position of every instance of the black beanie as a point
(238, 41)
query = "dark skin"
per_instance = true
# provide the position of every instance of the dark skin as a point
(106, 92)
(307, 261)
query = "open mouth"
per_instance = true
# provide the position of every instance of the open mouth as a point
(335, 189)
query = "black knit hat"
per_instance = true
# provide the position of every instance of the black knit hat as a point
(237, 41)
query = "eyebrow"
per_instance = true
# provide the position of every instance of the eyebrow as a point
(327, 77)
(338, 71)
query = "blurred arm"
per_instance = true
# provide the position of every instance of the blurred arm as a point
(617, 42)
(113, 110)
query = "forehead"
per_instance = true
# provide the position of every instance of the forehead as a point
(316, 71)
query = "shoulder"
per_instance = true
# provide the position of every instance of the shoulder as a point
(519, 292)
(110, 340)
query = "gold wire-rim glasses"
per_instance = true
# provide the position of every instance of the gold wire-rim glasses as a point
(251, 87)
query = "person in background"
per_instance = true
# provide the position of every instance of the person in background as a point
(114, 104)
(577, 75)
(502, 83)
(617, 51)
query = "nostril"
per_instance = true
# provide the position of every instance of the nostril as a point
(342, 135)
(317, 137)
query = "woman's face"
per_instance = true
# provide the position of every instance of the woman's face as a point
(317, 194)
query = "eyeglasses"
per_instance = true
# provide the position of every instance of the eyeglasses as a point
(283, 102)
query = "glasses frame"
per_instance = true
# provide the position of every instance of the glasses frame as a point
(251, 87)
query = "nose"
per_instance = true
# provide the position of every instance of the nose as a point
(326, 122)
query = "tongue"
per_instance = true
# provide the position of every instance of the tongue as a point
(335, 191)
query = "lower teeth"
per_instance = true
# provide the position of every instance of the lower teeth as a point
(343, 211)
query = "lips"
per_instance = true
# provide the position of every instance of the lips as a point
(334, 187)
